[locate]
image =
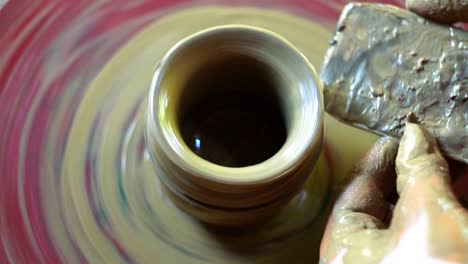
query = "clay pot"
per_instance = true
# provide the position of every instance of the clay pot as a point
(235, 123)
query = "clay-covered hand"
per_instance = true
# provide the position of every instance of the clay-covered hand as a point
(427, 225)
(443, 11)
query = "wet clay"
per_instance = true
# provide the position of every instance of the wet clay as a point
(385, 63)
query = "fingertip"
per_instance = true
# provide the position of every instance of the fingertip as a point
(384, 150)
(418, 155)
(391, 144)
(379, 160)
(416, 142)
(388, 150)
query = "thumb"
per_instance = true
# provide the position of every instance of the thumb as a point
(419, 159)
(423, 180)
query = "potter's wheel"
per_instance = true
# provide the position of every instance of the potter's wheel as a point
(76, 182)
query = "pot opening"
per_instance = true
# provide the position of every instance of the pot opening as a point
(230, 111)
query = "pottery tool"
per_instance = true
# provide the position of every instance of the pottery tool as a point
(385, 64)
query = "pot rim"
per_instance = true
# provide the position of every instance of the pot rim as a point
(288, 158)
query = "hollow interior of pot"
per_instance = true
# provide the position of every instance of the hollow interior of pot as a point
(231, 113)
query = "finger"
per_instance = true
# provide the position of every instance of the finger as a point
(442, 11)
(423, 180)
(373, 180)
(358, 214)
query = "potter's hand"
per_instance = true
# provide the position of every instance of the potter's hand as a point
(428, 224)
(443, 11)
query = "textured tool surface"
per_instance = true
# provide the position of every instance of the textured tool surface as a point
(385, 63)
